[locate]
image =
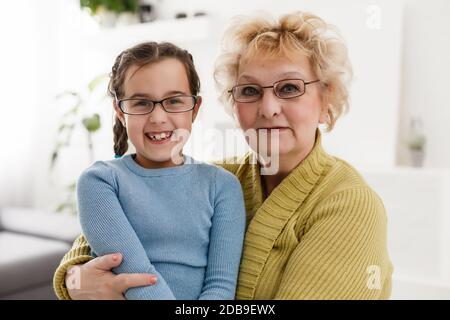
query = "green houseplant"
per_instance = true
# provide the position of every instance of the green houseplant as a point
(416, 142)
(109, 12)
(117, 6)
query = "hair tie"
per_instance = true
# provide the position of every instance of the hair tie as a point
(117, 156)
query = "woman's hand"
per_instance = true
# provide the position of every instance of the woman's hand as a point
(94, 280)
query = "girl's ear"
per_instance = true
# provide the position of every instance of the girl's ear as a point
(119, 113)
(196, 108)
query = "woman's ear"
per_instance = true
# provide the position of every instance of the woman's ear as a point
(119, 113)
(196, 108)
(325, 106)
(324, 117)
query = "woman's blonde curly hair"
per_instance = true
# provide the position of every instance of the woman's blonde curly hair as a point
(247, 37)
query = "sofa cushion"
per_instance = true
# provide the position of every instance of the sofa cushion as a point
(27, 261)
(45, 292)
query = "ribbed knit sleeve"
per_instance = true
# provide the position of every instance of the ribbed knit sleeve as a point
(108, 230)
(79, 253)
(226, 239)
(342, 253)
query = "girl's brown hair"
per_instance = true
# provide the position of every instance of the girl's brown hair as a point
(141, 55)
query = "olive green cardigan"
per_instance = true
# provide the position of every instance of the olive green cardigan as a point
(320, 234)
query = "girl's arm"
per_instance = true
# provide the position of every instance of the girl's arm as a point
(226, 239)
(108, 230)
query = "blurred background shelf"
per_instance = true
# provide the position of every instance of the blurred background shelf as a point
(185, 30)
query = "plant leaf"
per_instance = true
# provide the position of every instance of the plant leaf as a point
(72, 187)
(53, 159)
(92, 123)
(96, 81)
(67, 93)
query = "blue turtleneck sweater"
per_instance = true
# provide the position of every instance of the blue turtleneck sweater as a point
(185, 224)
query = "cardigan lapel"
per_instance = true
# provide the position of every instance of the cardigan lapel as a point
(266, 220)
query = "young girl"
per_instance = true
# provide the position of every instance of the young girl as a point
(166, 213)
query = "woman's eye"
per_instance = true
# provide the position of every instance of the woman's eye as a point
(249, 91)
(289, 88)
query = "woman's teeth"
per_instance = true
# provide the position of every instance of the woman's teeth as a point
(160, 136)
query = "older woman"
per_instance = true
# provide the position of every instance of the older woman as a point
(315, 229)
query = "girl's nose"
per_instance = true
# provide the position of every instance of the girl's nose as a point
(158, 115)
(269, 105)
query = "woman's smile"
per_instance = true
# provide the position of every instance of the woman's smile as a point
(274, 129)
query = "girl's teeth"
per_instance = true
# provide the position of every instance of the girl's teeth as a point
(161, 136)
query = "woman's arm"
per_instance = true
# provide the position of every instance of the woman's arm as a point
(80, 276)
(80, 253)
(108, 230)
(226, 239)
(343, 253)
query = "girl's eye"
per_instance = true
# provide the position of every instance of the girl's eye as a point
(249, 91)
(174, 101)
(141, 103)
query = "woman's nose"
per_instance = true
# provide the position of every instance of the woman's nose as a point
(269, 105)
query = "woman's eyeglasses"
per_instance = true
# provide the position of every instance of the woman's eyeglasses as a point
(283, 89)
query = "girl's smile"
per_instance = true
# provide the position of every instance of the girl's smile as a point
(159, 137)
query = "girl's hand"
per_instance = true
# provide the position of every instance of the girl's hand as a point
(94, 280)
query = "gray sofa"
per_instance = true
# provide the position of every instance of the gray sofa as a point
(32, 243)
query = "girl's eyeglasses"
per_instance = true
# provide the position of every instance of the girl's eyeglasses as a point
(140, 106)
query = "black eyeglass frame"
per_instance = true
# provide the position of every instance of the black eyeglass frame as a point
(231, 91)
(155, 102)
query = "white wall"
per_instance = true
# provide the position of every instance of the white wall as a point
(425, 78)
(18, 94)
